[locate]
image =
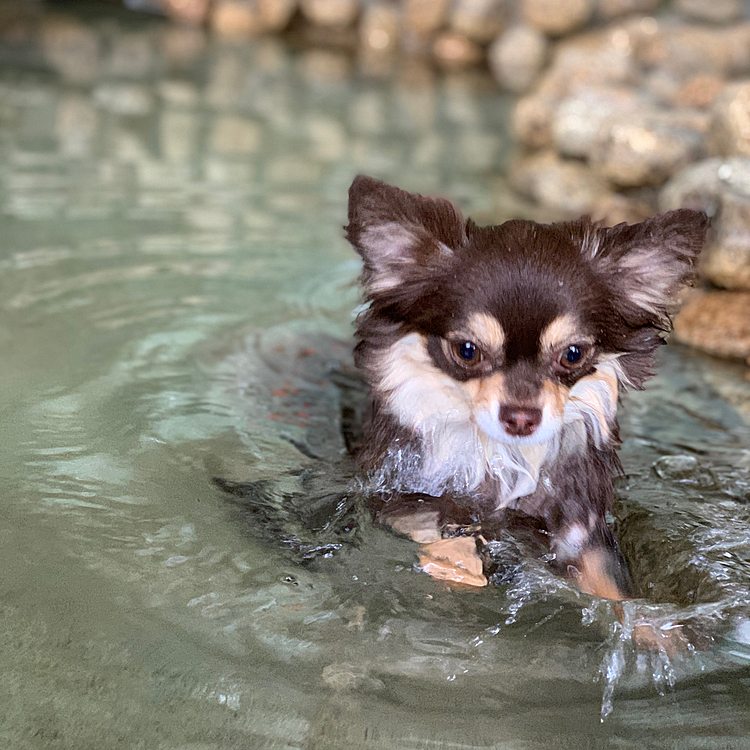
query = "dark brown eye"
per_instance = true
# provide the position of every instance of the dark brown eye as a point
(572, 357)
(466, 353)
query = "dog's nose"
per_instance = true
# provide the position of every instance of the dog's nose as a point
(520, 421)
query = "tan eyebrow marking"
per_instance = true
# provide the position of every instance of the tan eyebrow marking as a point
(561, 331)
(486, 330)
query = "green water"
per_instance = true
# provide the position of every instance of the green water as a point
(170, 226)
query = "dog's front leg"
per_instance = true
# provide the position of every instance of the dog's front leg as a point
(592, 558)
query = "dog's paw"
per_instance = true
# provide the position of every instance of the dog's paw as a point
(672, 641)
(455, 560)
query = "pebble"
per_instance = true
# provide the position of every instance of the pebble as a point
(717, 322)
(645, 148)
(557, 17)
(730, 122)
(721, 188)
(517, 56)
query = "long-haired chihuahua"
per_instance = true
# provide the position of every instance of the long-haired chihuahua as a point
(495, 357)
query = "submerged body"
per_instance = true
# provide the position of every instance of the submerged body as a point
(495, 357)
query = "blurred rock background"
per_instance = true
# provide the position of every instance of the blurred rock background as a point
(617, 108)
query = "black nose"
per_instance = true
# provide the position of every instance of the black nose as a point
(520, 421)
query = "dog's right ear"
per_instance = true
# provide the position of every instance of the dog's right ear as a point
(402, 238)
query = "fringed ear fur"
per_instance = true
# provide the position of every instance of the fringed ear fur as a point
(401, 237)
(646, 265)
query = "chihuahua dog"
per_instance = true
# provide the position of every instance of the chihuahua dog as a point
(495, 357)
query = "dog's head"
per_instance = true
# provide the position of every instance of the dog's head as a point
(505, 326)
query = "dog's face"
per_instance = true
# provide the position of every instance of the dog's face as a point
(505, 327)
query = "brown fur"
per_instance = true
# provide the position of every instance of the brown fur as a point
(495, 357)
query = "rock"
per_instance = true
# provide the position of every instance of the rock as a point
(532, 119)
(721, 188)
(579, 117)
(700, 91)
(564, 185)
(730, 122)
(516, 57)
(478, 20)
(425, 17)
(455, 51)
(717, 323)
(685, 470)
(380, 27)
(344, 677)
(646, 148)
(593, 59)
(716, 11)
(180, 46)
(236, 18)
(615, 208)
(276, 14)
(334, 13)
(608, 9)
(690, 49)
(557, 17)
(727, 260)
(187, 11)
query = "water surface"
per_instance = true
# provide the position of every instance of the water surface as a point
(170, 224)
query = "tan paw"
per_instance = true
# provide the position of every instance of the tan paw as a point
(455, 560)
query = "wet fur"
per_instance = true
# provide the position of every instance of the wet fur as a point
(522, 290)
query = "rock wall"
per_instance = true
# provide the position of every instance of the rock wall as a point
(624, 107)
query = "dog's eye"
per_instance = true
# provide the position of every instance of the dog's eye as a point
(466, 352)
(572, 357)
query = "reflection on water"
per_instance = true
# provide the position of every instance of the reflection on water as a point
(163, 198)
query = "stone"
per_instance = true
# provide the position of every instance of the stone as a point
(716, 322)
(478, 20)
(579, 117)
(187, 11)
(531, 121)
(517, 57)
(612, 208)
(685, 470)
(557, 17)
(380, 28)
(330, 13)
(690, 49)
(730, 122)
(700, 91)
(453, 51)
(720, 188)
(592, 59)
(568, 186)
(251, 17)
(179, 46)
(608, 9)
(276, 14)
(236, 18)
(727, 260)
(425, 17)
(715, 11)
(646, 148)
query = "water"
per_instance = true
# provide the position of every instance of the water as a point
(170, 213)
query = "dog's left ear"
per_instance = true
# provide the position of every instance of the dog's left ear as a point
(646, 265)
(401, 237)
